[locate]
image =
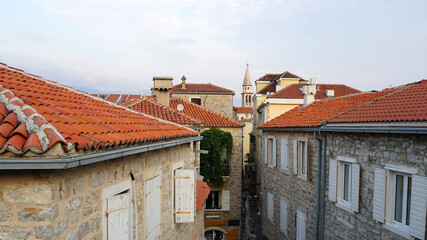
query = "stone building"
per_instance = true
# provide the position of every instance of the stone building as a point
(289, 172)
(216, 98)
(376, 159)
(222, 216)
(74, 166)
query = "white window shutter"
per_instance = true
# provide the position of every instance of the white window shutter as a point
(332, 180)
(295, 157)
(274, 153)
(300, 225)
(379, 195)
(225, 200)
(283, 215)
(184, 195)
(265, 147)
(152, 213)
(417, 219)
(355, 176)
(284, 154)
(119, 224)
(270, 205)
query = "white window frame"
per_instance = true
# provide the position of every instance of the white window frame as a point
(302, 162)
(336, 183)
(175, 166)
(109, 192)
(270, 206)
(223, 201)
(271, 156)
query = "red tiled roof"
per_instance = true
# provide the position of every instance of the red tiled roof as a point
(208, 117)
(36, 114)
(405, 105)
(287, 74)
(149, 106)
(201, 87)
(313, 114)
(294, 91)
(244, 109)
(271, 87)
(268, 77)
(202, 193)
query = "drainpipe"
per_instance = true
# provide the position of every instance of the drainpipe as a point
(319, 160)
(322, 193)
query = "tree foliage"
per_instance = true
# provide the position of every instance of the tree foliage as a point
(215, 140)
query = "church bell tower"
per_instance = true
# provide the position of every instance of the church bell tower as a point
(247, 89)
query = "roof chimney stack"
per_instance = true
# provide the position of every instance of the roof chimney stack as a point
(162, 89)
(183, 82)
(309, 91)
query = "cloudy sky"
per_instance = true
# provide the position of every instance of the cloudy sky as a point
(118, 45)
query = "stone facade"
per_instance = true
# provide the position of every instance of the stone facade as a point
(67, 204)
(220, 102)
(232, 184)
(370, 151)
(299, 194)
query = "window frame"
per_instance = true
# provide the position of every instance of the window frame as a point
(302, 162)
(196, 98)
(271, 153)
(270, 206)
(284, 154)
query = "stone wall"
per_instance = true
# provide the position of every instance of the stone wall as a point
(67, 204)
(298, 193)
(370, 151)
(232, 184)
(222, 103)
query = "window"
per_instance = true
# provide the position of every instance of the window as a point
(283, 215)
(344, 176)
(214, 235)
(218, 201)
(270, 206)
(400, 200)
(284, 154)
(300, 222)
(196, 101)
(270, 151)
(152, 208)
(184, 195)
(300, 158)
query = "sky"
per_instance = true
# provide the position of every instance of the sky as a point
(118, 46)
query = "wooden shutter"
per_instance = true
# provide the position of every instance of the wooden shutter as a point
(119, 217)
(300, 225)
(152, 208)
(270, 205)
(283, 215)
(379, 194)
(295, 156)
(184, 195)
(417, 219)
(355, 176)
(274, 158)
(225, 198)
(265, 147)
(332, 180)
(284, 154)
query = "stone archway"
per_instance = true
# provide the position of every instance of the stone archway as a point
(215, 233)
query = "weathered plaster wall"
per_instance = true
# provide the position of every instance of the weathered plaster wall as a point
(66, 204)
(222, 103)
(370, 151)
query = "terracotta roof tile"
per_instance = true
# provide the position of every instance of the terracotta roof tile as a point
(200, 87)
(294, 91)
(244, 109)
(313, 114)
(202, 193)
(408, 104)
(287, 74)
(208, 117)
(268, 77)
(36, 114)
(270, 88)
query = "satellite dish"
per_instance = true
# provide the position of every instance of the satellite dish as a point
(180, 107)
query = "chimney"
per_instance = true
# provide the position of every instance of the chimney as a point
(183, 82)
(309, 91)
(330, 93)
(162, 89)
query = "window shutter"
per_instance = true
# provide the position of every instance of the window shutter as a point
(295, 156)
(119, 216)
(270, 205)
(355, 176)
(184, 195)
(152, 213)
(265, 150)
(379, 192)
(300, 225)
(332, 180)
(283, 215)
(417, 219)
(284, 154)
(225, 200)
(274, 153)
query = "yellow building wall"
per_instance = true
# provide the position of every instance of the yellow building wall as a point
(286, 82)
(246, 130)
(275, 110)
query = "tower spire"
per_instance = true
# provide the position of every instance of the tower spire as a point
(247, 89)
